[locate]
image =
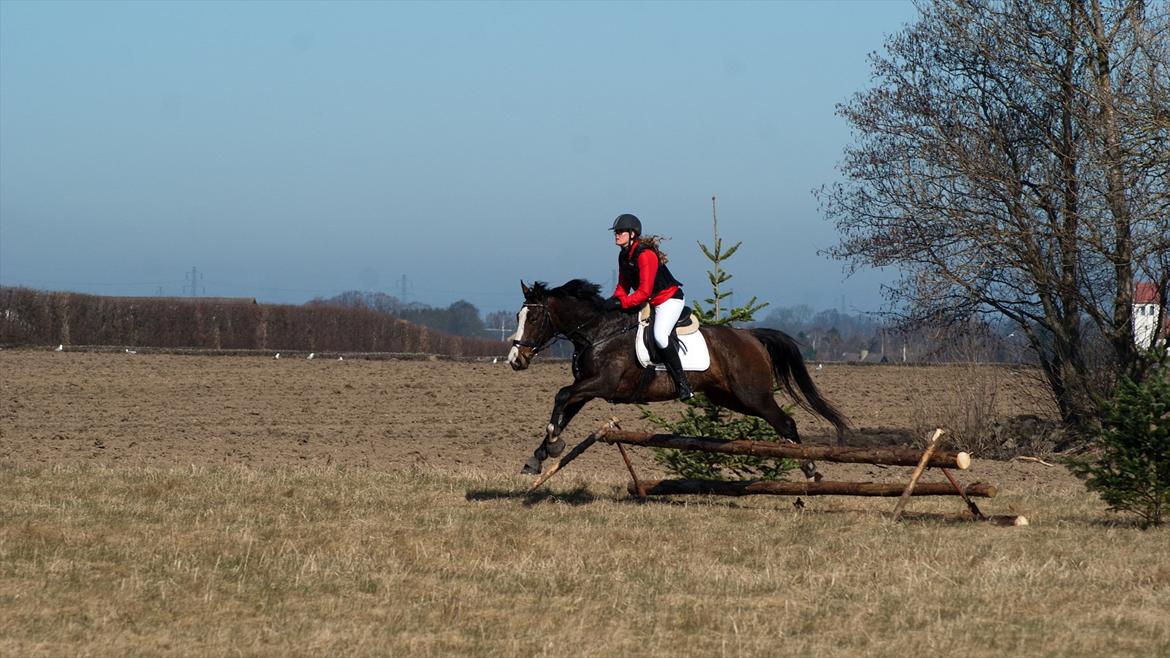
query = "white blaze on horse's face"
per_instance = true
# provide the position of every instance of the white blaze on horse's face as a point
(514, 353)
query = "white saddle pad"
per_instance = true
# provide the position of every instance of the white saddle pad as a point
(692, 351)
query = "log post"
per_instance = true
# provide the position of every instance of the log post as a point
(639, 490)
(971, 506)
(922, 463)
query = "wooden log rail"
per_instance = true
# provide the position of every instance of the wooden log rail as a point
(823, 488)
(845, 454)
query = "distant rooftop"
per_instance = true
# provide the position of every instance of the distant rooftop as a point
(1145, 292)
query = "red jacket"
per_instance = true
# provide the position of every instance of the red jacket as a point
(645, 262)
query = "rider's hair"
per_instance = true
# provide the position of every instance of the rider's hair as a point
(654, 243)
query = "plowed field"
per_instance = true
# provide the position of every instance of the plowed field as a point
(167, 410)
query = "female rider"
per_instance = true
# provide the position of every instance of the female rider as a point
(643, 277)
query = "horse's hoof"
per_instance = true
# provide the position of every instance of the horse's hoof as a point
(554, 448)
(810, 470)
(531, 467)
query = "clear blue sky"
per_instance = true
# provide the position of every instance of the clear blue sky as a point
(294, 150)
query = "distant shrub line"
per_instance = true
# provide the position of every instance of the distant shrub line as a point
(34, 317)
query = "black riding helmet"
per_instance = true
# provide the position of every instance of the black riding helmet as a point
(627, 222)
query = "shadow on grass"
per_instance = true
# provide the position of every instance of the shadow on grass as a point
(811, 511)
(696, 501)
(577, 496)
(1123, 523)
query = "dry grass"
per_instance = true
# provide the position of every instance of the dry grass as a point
(99, 560)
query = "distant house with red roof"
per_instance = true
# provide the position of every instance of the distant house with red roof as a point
(1146, 313)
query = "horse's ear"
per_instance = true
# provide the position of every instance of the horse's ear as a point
(527, 291)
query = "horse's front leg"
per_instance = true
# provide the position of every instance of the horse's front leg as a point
(569, 400)
(554, 446)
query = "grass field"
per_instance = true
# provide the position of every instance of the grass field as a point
(202, 505)
(234, 561)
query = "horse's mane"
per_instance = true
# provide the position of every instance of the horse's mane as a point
(576, 289)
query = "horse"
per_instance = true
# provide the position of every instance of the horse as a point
(744, 363)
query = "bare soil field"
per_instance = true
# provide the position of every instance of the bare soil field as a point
(170, 410)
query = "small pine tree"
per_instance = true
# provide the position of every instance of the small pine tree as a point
(1130, 464)
(702, 417)
(717, 276)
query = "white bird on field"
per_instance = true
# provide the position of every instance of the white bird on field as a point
(495, 359)
(312, 354)
(60, 348)
(340, 358)
(277, 355)
(130, 351)
(820, 366)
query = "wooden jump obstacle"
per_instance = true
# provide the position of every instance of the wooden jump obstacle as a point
(920, 459)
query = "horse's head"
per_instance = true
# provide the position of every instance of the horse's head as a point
(534, 326)
(549, 313)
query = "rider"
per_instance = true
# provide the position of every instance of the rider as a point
(643, 276)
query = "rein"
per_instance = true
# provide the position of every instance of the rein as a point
(570, 335)
(590, 343)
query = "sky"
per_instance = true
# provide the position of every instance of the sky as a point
(288, 151)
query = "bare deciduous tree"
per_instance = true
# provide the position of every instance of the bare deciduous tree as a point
(1013, 157)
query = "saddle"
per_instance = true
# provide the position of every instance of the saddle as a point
(688, 323)
(693, 353)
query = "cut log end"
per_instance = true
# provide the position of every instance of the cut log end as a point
(963, 461)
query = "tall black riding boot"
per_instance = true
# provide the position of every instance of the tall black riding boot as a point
(674, 367)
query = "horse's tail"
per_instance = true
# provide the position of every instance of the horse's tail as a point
(788, 365)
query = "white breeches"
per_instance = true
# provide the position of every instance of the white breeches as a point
(665, 315)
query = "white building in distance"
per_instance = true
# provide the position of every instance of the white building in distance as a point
(1146, 315)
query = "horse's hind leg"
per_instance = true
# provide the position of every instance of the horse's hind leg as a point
(785, 426)
(766, 407)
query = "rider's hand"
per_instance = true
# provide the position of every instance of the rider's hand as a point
(612, 304)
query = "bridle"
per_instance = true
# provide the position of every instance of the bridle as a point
(546, 319)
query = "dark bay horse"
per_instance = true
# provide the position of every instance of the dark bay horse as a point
(744, 363)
